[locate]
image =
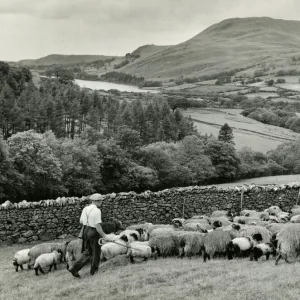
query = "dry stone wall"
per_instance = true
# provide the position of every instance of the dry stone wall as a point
(49, 219)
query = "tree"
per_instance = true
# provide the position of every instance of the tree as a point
(34, 159)
(129, 139)
(177, 102)
(226, 134)
(9, 178)
(81, 166)
(191, 154)
(224, 159)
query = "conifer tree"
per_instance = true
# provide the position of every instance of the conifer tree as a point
(226, 134)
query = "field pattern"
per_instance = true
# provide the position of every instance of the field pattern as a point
(247, 132)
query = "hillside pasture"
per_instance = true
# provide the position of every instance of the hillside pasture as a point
(169, 278)
(262, 95)
(247, 132)
(280, 179)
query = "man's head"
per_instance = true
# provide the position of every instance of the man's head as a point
(96, 199)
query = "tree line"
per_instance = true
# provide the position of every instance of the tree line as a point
(59, 140)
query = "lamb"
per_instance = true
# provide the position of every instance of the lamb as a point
(263, 249)
(140, 249)
(37, 250)
(46, 260)
(21, 257)
(241, 246)
(113, 249)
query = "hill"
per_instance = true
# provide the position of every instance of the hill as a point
(148, 50)
(60, 59)
(232, 43)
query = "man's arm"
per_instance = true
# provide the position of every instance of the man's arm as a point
(100, 231)
(81, 217)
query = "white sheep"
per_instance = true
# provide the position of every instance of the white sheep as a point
(37, 250)
(295, 219)
(112, 249)
(161, 231)
(21, 257)
(140, 249)
(46, 260)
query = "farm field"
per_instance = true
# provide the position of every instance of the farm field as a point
(283, 179)
(247, 132)
(169, 278)
(262, 95)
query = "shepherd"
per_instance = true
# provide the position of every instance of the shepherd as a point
(91, 232)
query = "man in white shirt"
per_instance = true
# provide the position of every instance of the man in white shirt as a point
(92, 231)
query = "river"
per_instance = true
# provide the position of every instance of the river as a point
(102, 85)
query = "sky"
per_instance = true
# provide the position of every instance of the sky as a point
(36, 28)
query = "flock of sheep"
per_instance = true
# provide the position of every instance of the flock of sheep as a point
(252, 234)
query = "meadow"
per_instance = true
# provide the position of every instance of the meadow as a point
(279, 179)
(246, 131)
(169, 278)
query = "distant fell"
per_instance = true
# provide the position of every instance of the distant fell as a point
(232, 43)
(148, 50)
(60, 59)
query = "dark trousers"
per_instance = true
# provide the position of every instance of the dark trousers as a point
(90, 250)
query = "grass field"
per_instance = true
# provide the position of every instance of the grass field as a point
(247, 132)
(283, 179)
(169, 278)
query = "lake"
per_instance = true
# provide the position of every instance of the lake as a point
(102, 85)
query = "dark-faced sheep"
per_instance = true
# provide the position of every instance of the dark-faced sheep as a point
(112, 227)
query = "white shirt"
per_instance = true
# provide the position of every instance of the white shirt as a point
(91, 215)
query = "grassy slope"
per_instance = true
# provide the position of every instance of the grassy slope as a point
(247, 132)
(169, 278)
(232, 43)
(147, 50)
(283, 179)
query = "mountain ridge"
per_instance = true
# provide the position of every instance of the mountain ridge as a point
(229, 44)
(63, 59)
